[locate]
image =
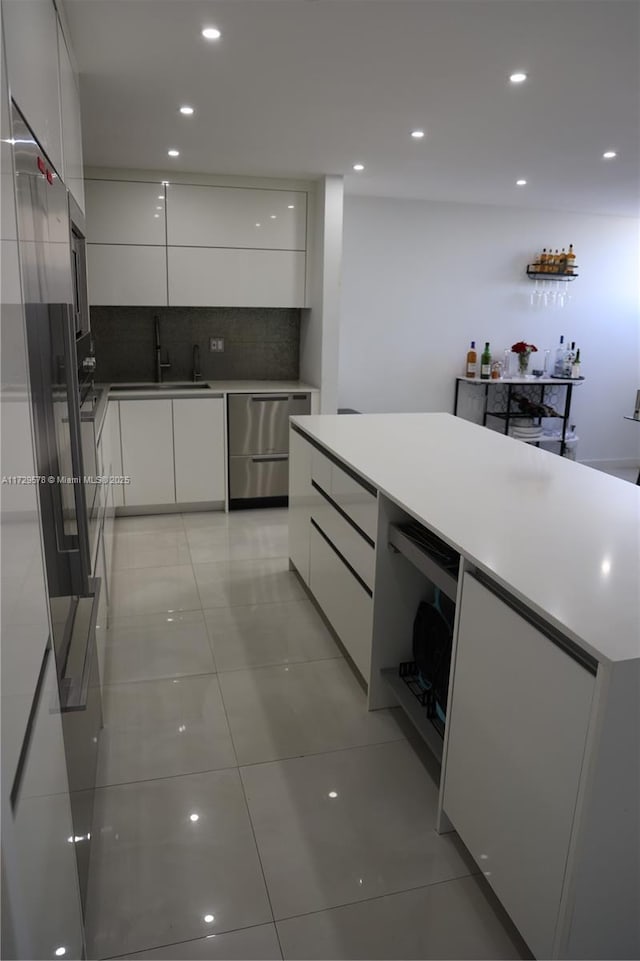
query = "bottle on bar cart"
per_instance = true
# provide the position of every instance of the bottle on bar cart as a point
(472, 361)
(485, 363)
(558, 367)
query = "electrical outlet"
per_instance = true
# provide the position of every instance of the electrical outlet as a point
(216, 345)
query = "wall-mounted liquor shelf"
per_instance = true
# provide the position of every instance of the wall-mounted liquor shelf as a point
(537, 272)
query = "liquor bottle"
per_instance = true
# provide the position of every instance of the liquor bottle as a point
(562, 262)
(472, 361)
(571, 260)
(542, 263)
(485, 363)
(569, 356)
(556, 262)
(558, 367)
(575, 367)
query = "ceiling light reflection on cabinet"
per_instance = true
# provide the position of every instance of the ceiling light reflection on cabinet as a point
(417, 134)
(211, 33)
(521, 183)
(358, 167)
(609, 154)
(518, 77)
(291, 206)
(186, 110)
(173, 152)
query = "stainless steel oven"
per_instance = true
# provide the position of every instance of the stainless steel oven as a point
(259, 446)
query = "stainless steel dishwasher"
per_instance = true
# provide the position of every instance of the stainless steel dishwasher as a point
(259, 447)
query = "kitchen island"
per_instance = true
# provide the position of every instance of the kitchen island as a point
(540, 751)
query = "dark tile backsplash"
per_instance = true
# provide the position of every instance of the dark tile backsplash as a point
(260, 343)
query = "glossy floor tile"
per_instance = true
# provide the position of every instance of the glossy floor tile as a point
(211, 544)
(454, 919)
(249, 944)
(149, 522)
(172, 860)
(307, 708)
(152, 646)
(240, 583)
(150, 549)
(147, 590)
(347, 826)
(158, 729)
(265, 634)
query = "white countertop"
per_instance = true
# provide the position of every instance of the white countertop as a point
(562, 537)
(519, 380)
(216, 387)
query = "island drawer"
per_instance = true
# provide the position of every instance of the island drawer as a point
(353, 495)
(344, 601)
(349, 541)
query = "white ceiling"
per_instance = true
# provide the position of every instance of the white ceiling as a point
(299, 88)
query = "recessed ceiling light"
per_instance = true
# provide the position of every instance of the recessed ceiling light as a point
(521, 183)
(609, 154)
(194, 817)
(518, 77)
(209, 918)
(417, 134)
(358, 167)
(173, 152)
(186, 110)
(291, 206)
(211, 33)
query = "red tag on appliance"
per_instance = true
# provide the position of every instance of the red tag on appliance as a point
(49, 176)
(42, 167)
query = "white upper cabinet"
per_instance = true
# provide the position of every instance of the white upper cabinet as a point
(202, 216)
(127, 275)
(32, 64)
(73, 174)
(121, 212)
(224, 277)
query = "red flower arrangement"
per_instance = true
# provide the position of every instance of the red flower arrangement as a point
(522, 348)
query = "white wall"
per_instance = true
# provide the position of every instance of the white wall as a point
(422, 279)
(319, 330)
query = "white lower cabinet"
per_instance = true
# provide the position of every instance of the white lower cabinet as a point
(198, 438)
(228, 277)
(102, 573)
(343, 600)
(127, 275)
(147, 452)
(301, 496)
(518, 719)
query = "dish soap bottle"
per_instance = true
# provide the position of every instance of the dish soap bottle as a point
(485, 363)
(472, 361)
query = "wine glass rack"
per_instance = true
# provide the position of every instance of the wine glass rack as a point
(539, 271)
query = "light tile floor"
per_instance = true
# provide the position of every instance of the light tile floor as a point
(249, 806)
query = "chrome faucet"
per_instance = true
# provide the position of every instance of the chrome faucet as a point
(159, 365)
(195, 373)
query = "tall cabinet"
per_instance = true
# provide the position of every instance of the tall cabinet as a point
(41, 913)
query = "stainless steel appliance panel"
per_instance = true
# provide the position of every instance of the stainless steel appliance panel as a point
(44, 235)
(259, 475)
(258, 424)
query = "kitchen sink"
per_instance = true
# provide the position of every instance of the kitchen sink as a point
(165, 386)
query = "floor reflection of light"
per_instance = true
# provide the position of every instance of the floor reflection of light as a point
(209, 918)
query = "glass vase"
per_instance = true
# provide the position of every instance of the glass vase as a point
(523, 363)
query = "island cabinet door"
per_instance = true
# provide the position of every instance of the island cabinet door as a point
(518, 721)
